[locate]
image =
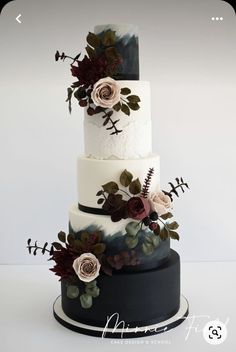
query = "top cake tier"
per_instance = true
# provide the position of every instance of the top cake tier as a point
(126, 43)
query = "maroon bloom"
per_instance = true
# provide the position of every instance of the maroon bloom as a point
(138, 208)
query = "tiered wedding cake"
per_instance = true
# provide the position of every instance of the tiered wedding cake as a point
(119, 276)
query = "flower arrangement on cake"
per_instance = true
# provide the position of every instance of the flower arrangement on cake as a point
(97, 87)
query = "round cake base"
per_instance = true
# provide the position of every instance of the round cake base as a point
(121, 331)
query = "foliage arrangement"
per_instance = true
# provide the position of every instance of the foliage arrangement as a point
(70, 250)
(149, 210)
(101, 62)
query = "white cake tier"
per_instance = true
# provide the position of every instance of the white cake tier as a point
(93, 173)
(135, 140)
(81, 221)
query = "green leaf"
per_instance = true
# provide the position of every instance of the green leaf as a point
(100, 200)
(125, 109)
(84, 236)
(164, 234)
(57, 246)
(133, 99)
(91, 283)
(70, 238)
(174, 235)
(147, 248)
(72, 291)
(126, 178)
(157, 230)
(135, 186)
(69, 95)
(78, 245)
(109, 38)
(80, 93)
(132, 228)
(173, 225)
(125, 91)
(110, 187)
(93, 40)
(99, 248)
(167, 216)
(133, 106)
(131, 241)
(91, 52)
(99, 193)
(92, 291)
(62, 236)
(117, 107)
(86, 300)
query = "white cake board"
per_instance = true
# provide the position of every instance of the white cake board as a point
(141, 331)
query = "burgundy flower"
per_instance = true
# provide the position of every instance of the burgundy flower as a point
(138, 208)
(90, 70)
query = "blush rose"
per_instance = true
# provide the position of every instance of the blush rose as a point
(160, 202)
(87, 267)
(106, 92)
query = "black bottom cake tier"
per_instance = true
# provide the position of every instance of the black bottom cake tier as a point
(129, 304)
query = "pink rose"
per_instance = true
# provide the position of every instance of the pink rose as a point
(87, 267)
(160, 202)
(106, 92)
(138, 208)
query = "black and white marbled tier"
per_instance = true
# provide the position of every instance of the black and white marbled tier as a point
(127, 46)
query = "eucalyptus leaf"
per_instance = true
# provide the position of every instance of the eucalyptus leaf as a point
(62, 236)
(126, 178)
(72, 291)
(99, 248)
(131, 241)
(86, 300)
(132, 228)
(135, 186)
(92, 291)
(147, 248)
(91, 283)
(110, 187)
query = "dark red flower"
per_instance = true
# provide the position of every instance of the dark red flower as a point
(138, 208)
(90, 70)
(64, 259)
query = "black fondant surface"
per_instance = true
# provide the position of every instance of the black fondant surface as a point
(140, 298)
(115, 243)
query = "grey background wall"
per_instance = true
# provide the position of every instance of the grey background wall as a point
(189, 60)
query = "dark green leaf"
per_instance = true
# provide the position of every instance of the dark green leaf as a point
(90, 51)
(174, 235)
(125, 91)
(164, 234)
(135, 187)
(109, 38)
(134, 106)
(125, 109)
(57, 246)
(80, 93)
(167, 216)
(70, 239)
(93, 40)
(117, 107)
(99, 248)
(92, 291)
(126, 178)
(110, 187)
(100, 200)
(147, 248)
(106, 121)
(62, 236)
(99, 193)
(84, 236)
(133, 98)
(173, 226)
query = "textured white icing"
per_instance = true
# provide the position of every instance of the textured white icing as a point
(81, 221)
(93, 173)
(120, 29)
(135, 140)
